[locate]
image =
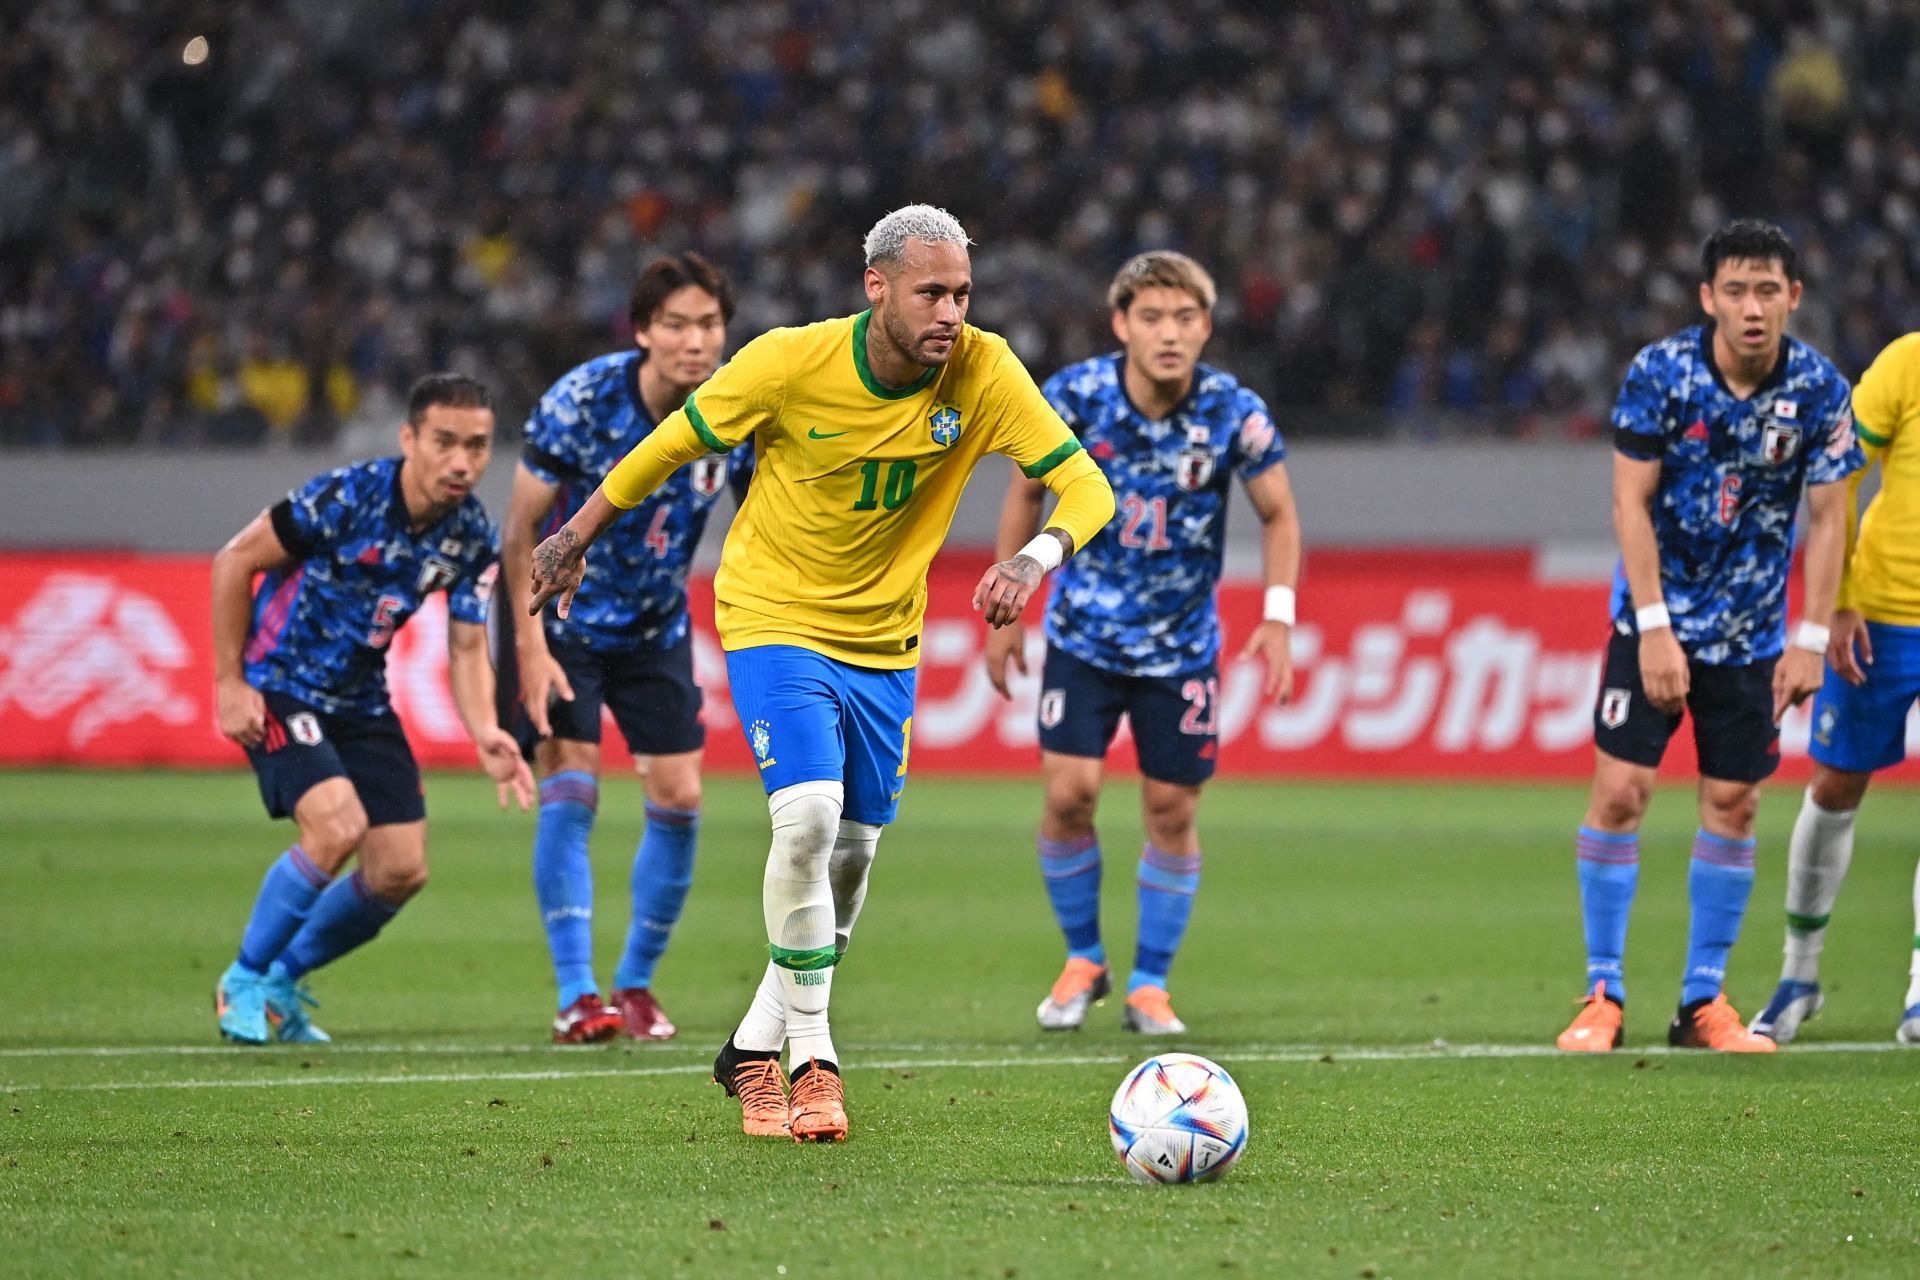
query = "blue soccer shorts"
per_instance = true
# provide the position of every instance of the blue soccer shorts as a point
(1859, 729)
(1173, 717)
(305, 746)
(809, 718)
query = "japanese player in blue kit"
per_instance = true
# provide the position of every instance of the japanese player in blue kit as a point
(300, 680)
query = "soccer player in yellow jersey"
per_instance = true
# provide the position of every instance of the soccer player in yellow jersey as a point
(1873, 677)
(865, 430)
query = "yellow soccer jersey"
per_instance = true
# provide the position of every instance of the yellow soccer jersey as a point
(856, 483)
(1882, 577)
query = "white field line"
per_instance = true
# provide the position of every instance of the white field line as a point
(1254, 1054)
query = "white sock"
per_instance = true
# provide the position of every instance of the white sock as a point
(1913, 984)
(1817, 859)
(764, 1029)
(852, 860)
(797, 899)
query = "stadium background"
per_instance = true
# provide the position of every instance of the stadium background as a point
(1440, 230)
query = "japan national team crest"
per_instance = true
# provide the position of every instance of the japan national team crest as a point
(1053, 708)
(1613, 707)
(436, 574)
(1780, 443)
(1193, 468)
(945, 424)
(304, 728)
(708, 474)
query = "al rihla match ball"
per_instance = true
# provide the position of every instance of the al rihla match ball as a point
(1178, 1118)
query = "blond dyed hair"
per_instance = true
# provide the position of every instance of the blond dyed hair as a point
(1160, 269)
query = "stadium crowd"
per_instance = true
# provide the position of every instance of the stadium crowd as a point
(1427, 216)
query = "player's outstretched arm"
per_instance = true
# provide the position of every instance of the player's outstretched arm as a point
(540, 676)
(1663, 663)
(1798, 674)
(1019, 522)
(254, 550)
(470, 676)
(1272, 641)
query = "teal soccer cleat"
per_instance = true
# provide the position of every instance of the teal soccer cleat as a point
(287, 1003)
(240, 1005)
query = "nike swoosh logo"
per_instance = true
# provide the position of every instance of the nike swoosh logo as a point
(815, 433)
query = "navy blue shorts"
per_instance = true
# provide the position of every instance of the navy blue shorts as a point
(652, 695)
(305, 746)
(1732, 707)
(1174, 733)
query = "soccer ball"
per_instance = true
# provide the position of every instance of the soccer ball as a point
(1178, 1118)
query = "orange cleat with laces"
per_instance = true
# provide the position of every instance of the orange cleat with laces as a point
(817, 1105)
(1596, 1028)
(1713, 1024)
(1080, 984)
(1150, 1012)
(755, 1079)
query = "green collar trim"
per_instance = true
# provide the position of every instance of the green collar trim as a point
(867, 379)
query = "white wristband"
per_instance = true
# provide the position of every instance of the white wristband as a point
(1652, 617)
(1046, 549)
(1812, 637)
(1280, 605)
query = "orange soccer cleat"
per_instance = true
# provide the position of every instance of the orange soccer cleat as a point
(1713, 1024)
(755, 1079)
(817, 1110)
(1596, 1028)
(1080, 984)
(1150, 1012)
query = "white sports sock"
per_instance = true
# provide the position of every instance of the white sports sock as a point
(1913, 984)
(852, 860)
(764, 1029)
(797, 899)
(1817, 859)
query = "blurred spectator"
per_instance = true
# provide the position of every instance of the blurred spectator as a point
(1433, 215)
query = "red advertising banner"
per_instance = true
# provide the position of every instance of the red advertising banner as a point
(1409, 665)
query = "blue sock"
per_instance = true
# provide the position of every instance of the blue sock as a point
(563, 878)
(286, 896)
(1071, 869)
(1168, 882)
(346, 916)
(662, 874)
(1719, 880)
(1609, 866)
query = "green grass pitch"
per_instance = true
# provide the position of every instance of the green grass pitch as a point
(1342, 934)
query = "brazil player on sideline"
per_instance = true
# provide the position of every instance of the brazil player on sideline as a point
(1860, 713)
(300, 681)
(625, 643)
(1132, 624)
(865, 429)
(1717, 432)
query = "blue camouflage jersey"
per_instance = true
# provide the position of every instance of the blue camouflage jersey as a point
(321, 626)
(634, 595)
(1731, 476)
(1139, 598)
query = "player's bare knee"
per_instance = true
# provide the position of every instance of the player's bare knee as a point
(677, 793)
(1070, 804)
(1618, 803)
(1838, 792)
(1729, 809)
(331, 836)
(395, 884)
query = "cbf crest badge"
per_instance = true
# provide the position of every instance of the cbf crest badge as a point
(708, 474)
(945, 424)
(760, 737)
(1193, 467)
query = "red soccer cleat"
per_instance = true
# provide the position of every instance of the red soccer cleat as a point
(641, 1015)
(585, 1021)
